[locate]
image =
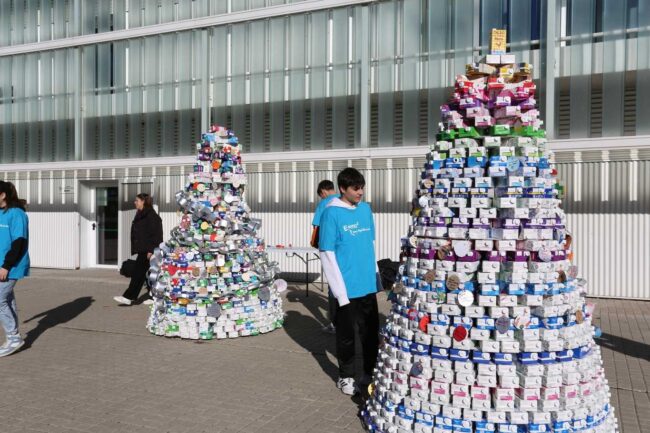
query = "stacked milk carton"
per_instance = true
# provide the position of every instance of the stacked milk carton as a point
(489, 331)
(212, 279)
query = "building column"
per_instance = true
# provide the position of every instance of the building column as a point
(365, 78)
(78, 108)
(205, 80)
(548, 71)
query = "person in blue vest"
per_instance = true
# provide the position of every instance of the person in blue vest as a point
(347, 245)
(14, 243)
(326, 192)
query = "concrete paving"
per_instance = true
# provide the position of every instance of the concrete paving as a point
(91, 366)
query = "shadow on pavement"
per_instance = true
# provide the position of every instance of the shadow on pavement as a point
(625, 346)
(306, 331)
(56, 316)
(300, 277)
(143, 297)
(315, 303)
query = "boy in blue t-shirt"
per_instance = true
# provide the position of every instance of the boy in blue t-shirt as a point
(326, 192)
(347, 236)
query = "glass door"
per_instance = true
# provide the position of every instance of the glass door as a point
(106, 205)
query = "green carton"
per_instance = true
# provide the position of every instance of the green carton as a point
(446, 135)
(500, 130)
(530, 131)
(469, 132)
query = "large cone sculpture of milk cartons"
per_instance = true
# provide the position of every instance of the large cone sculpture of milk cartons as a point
(213, 279)
(490, 330)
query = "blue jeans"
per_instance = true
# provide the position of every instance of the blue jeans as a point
(8, 316)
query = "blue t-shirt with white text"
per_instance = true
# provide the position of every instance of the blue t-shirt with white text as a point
(13, 225)
(350, 233)
(318, 213)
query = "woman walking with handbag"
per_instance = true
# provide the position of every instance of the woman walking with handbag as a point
(14, 259)
(146, 235)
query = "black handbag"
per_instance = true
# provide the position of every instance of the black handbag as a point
(127, 268)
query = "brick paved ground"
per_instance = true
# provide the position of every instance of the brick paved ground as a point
(92, 367)
(626, 355)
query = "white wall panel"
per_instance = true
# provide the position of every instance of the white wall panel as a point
(612, 252)
(124, 218)
(295, 229)
(169, 220)
(612, 237)
(389, 229)
(54, 239)
(287, 228)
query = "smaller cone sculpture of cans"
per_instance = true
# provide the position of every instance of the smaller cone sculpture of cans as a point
(212, 278)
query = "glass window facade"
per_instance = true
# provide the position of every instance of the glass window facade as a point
(295, 82)
(288, 83)
(28, 21)
(603, 68)
(142, 97)
(37, 107)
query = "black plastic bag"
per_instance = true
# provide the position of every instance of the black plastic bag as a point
(388, 272)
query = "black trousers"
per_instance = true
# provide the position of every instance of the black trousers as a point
(332, 306)
(361, 313)
(138, 277)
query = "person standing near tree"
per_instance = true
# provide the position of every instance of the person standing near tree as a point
(347, 245)
(146, 236)
(326, 192)
(14, 243)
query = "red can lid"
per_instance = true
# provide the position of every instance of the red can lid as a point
(460, 333)
(423, 323)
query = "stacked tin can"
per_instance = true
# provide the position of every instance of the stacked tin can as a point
(490, 330)
(212, 278)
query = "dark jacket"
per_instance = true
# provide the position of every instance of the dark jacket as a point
(146, 231)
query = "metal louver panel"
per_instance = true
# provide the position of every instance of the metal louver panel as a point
(267, 127)
(329, 133)
(307, 130)
(564, 111)
(287, 126)
(398, 120)
(374, 121)
(423, 118)
(596, 106)
(629, 104)
(352, 123)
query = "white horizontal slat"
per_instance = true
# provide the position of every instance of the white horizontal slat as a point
(54, 239)
(573, 145)
(612, 251)
(612, 238)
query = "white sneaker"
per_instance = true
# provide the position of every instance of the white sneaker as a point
(346, 385)
(11, 345)
(122, 300)
(147, 302)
